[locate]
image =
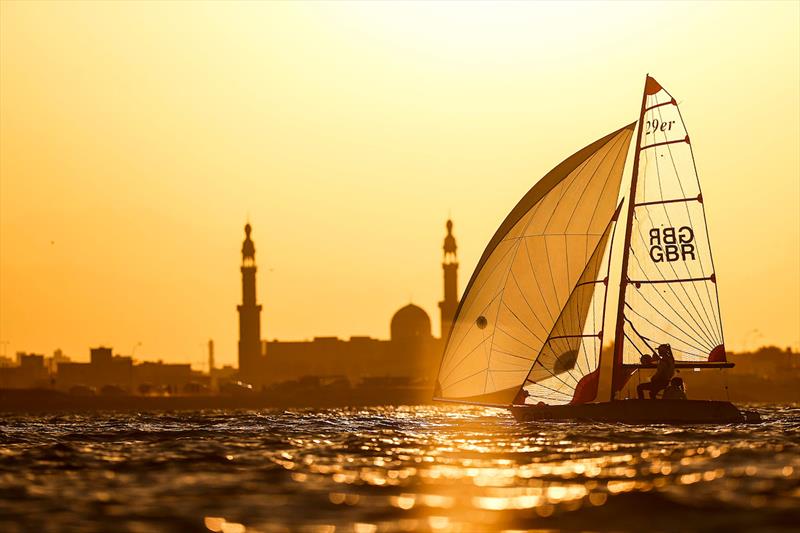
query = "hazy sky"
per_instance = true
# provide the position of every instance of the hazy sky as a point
(137, 139)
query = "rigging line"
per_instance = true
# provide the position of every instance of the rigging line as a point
(718, 315)
(523, 324)
(701, 331)
(646, 340)
(671, 266)
(525, 299)
(701, 348)
(707, 328)
(691, 354)
(633, 343)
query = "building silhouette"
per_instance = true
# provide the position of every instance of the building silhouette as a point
(448, 306)
(250, 360)
(411, 353)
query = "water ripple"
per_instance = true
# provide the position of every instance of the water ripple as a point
(393, 469)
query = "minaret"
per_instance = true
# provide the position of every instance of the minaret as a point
(449, 305)
(249, 315)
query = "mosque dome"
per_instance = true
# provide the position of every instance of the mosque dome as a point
(410, 322)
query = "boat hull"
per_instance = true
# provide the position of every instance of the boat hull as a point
(639, 412)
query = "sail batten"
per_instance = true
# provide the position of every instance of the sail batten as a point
(527, 274)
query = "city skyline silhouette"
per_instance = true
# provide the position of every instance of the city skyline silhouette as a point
(124, 189)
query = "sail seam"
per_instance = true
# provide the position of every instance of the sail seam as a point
(706, 326)
(689, 215)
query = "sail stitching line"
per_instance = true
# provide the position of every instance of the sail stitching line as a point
(699, 319)
(497, 314)
(553, 374)
(536, 360)
(701, 342)
(669, 220)
(708, 238)
(484, 338)
(705, 221)
(523, 325)
(511, 265)
(533, 313)
(488, 277)
(671, 266)
(700, 331)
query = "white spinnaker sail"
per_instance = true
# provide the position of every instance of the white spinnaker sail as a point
(567, 368)
(672, 295)
(527, 273)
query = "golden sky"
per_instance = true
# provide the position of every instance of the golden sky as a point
(137, 138)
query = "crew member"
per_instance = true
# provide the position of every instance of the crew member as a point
(675, 390)
(664, 372)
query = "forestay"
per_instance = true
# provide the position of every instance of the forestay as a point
(671, 295)
(528, 272)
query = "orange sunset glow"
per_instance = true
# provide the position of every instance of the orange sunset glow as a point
(137, 139)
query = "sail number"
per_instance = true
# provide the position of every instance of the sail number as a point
(652, 126)
(670, 244)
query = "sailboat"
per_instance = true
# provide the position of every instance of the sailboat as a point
(528, 333)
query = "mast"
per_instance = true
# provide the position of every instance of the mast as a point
(623, 282)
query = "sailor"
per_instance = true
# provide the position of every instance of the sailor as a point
(664, 372)
(675, 390)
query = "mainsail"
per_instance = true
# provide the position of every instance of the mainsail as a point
(528, 272)
(669, 290)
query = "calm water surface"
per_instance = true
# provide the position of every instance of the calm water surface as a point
(393, 469)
